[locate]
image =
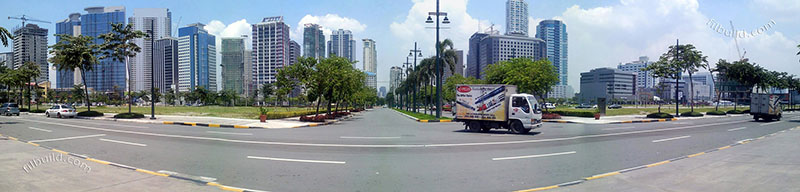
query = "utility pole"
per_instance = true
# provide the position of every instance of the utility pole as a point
(414, 53)
(152, 74)
(677, 76)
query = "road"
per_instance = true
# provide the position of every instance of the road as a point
(381, 150)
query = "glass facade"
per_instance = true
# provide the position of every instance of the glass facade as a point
(554, 32)
(197, 58)
(107, 73)
(233, 64)
(71, 26)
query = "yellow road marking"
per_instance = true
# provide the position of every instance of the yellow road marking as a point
(603, 175)
(212, 184)
(60, 151)
(657, 164)
(721, 148)
(662, 120)
(34, 144)
(193, 124)
(313, 125)
(539, 189)
(696, 154)
(446, 120)
(152, 173)
(13, 138)
(213, 125)
(424, 121)
(168, 122)
(627, 122)
(240, 126)
(98, 161)
(226, 188)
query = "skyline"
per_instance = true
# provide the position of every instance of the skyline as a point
(602, 33)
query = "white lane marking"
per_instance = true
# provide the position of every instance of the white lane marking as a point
(296, 160)
(124, 142)
(40, 129)
(680, 123)
(533, 156)
(67, 138)
(391, 145)
(503, 135)
(618, 128)
(131, 126)
(228, 133)
(736, 129)
(770, 123)
(669, 139)
(354, 137)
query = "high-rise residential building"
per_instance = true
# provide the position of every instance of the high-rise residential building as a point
(517, 17)
(145, 19)
(342, 44)
(294, 52)
(108, 75)
(371, 80)
(486, 49)
(382, 92)
(644, 79)
(233, 64)
(270, 49)
(7, 59)
(197, 58)
(30, 45)
(313, 41)
(165, 59)
(607, 83)
(370, 56)
(66, 79)
(395, 77)
(554, 32)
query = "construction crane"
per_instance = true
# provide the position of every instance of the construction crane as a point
(24, 19)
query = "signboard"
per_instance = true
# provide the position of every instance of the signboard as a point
(483, 102)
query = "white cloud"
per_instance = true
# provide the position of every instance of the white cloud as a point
(329, 22)
(220, 30)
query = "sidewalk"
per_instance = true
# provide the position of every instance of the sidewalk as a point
(291, 122)
(624, 119)
(62, 174)
(766, 164)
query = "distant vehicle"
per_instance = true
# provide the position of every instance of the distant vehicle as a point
(61, 111)
(484, 107)
(723, 103)
(549, 106)
(615, 106)
(765, 106)
(583, 106)
(594, 106)
(447, 107)
(9, 109)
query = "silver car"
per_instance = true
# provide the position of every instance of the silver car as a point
(61, 111)
(9, 109)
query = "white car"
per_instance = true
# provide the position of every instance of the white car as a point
(61, 111)
(549, 106)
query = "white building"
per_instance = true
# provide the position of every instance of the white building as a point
(395, 77)
(270, 49)
(517, 17)
(371, 81)
(370, 56)
(644, 79)
(561, 91)
(140, 65)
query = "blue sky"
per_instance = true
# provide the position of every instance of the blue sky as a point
(602, 33)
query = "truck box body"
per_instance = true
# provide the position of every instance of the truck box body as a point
(765, 104)
(483, 102)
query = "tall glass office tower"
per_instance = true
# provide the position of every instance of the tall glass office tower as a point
(71, 26)
(554, 33)
(233, 64)
(197, 58)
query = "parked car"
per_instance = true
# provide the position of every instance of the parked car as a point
(9, 109)
(615, 106)
(549, 106)
(583, 106)
(61, 111)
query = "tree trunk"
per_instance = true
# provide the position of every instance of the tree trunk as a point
(130, 97)
(691, 95)
(86, 90)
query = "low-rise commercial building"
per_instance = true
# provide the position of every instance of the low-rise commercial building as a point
(607, 83)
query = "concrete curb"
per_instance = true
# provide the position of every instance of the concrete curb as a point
(327, 122)
(621, 122)
(598, 176)
(423, 121)
(184, 177)
(205, 124)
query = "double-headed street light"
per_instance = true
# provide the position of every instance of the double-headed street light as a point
(411, 53)
(438, 59)
(152, 74)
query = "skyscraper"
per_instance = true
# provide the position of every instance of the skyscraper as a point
(294, 52)
(313, 41)
(165, 59)
(30, 45)
(197, 58)
(233, 64)
(7, 59)
(71, 26)
(370, 56)
(270, 49)
(248, 72)
(517, 17)
(371, 80)
(342, 44)
(143, 18)
(395, 77)
(554, 32)
(107, 74)
(486, 49)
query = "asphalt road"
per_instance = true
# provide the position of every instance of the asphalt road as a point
(381, 150)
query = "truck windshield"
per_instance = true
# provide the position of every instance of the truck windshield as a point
(532, 101)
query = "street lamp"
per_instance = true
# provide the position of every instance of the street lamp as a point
(438, 59)
(152, 74)
(411, 54)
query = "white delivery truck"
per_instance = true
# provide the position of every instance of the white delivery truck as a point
(484, 107)
(765, 106)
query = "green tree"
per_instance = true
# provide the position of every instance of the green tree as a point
(5, 36)
(170, 97)
(74, 52)
(29, 71)
(451, 83)
(284, 84)
(266, 91)
(690, 61)
(667, 67)
(535, 77)
(118, 46)
(77, 93)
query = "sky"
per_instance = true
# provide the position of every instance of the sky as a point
(602, 33)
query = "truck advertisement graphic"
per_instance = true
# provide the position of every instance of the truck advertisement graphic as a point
(483, 102)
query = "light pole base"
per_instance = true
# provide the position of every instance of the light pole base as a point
(152, 118)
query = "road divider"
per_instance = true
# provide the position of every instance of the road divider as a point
(296, 160)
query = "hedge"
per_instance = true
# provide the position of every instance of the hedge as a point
(23, 109)
(735, 112)
(90, 114)
(129, 116)
(574, 113)
(37, 111)
(551, 116)
(659, 115)
(716, 113)
(691, 114)
(285, 114)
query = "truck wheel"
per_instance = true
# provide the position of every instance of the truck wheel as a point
(485, 129)
(516, 127)
(474, 126)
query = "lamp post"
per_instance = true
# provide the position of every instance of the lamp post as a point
(152, 75)
(438, 60)
(407, 66)
(410, 54)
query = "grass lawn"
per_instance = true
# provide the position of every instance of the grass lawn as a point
(419, 116)
(644, 111)
(209, 111)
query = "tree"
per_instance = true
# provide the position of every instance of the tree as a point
(690, 61)
(449, 93)
(118, 46)
(266, 90)
(170, 96)
(5, 36)
(29, 71)
(667, 66)
(75, 52)
(535, 77)
(448, 56)
(77, 93)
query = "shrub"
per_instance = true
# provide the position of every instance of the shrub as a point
(716, 113)
(23, 109)
(37, 111)
(90, 114)
(746, 111)
(551, 116)
(659, 115)
(574, 113)
(691, 114)
(316, 118)
(277, 114)
(129, 115)
(735, 112)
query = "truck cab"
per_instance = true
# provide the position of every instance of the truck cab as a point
(525, 109)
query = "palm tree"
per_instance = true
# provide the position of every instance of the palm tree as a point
(75, 52)
(4, 36)
(448, 55)
(30, 70)
(118, 46)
